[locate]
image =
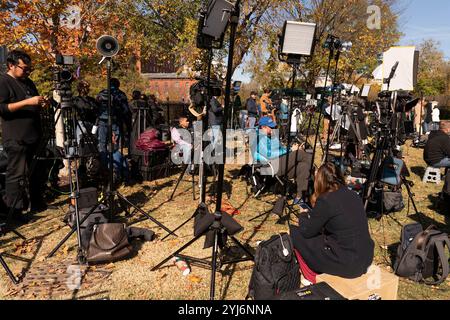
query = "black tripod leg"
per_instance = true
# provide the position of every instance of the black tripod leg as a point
(145, 214)
(375, 166)
(178, 182)
(176, 252)
(8, 271)
(17, 233)
(179, 227)
(193, 186)
(410, 194)
(261, 215)
(214, 265)
(240, 245)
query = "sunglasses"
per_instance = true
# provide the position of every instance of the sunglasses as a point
(26, 69)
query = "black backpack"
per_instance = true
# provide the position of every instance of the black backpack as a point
(276, 269)
(421, 254)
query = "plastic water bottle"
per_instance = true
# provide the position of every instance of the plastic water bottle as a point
(181, 265)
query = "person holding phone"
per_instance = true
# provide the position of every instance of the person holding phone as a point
(333, 237)
(20, 106)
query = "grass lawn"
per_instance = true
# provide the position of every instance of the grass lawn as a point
(133, 279)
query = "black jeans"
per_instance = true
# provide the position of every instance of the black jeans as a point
(19, 187)
(299, 164)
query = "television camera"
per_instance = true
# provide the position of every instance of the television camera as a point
(63, 78)
(199, 91)
(389, 108)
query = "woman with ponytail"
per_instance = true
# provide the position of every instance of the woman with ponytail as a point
(333, 237)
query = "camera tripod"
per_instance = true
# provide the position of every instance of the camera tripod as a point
(110, 194)
(233, 122)
(347, 122)
(186, 168)
(383, 153)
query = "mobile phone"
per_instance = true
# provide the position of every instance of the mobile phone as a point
(304, 206)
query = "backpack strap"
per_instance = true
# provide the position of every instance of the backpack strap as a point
(443, 260)
(419, 251)
(424, 237)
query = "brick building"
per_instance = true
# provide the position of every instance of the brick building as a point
(165, 82)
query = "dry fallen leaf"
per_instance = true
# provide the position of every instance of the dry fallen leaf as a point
(194, 279)
(65, 250)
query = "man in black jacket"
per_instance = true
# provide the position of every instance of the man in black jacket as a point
(20, 105)
(252, 109)
(437, 149)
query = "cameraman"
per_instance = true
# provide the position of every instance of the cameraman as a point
(120, 113)
(437, 149)
(20, 105)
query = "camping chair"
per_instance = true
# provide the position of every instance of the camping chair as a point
(261, 172)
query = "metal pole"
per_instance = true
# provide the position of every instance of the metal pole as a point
(310, 184)
(294, 76)
(234, 22)
(332, 103)
(111, 145)
(205, 126)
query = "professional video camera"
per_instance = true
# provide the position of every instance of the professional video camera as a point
(62, 77)
(335, 43)
(389, 104)
(198, 91)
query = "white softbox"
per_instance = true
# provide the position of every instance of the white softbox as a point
(298, 38)
(405, 77)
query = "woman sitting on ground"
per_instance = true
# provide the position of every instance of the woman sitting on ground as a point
(334, 237)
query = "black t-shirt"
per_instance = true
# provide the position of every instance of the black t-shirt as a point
(23, 125)
(87, 108)
(437, 148)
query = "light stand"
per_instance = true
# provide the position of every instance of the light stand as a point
(218, 226)
(339, 46)
(319, 120)
(336, 58)
(281, 203)
(296, 42)
(111, 193)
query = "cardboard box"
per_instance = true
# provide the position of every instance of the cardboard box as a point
(377, 282)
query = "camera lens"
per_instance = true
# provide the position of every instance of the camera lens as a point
(65, 75)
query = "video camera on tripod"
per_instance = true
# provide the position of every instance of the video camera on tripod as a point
(389, 107)
(334, 43)
(63, 78)
(199, 91)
